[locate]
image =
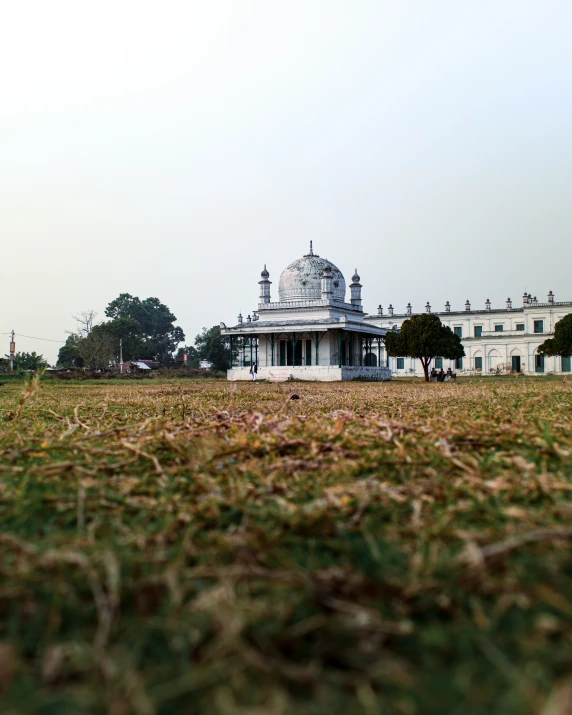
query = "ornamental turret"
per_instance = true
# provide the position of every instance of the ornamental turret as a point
(265, 286)
(427, 307)
(487, 304)
(355, 289)
(409, 309)
(447, 307)
(467, 306)
(508, 304)
(390, 309)
(550, 297)
(327, 280)
(380, 309)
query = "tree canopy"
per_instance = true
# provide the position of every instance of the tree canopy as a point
(561, 343)
(145, 328)
(29, 361)
(156, 325)
(192, 355)
(214, 347)
(69, 354)
(424, 337)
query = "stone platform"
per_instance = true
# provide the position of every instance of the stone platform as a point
(312, 373)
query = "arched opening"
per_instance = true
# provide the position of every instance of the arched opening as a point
(370, 360)
(516, 361)
(494, 360)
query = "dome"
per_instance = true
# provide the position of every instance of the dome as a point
(301, 280)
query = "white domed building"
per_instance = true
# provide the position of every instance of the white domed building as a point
(311, 332)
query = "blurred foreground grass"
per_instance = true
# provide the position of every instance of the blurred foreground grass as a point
(207, 548)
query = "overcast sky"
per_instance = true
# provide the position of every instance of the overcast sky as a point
(171, 149)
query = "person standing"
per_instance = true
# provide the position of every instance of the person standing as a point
(254, 370)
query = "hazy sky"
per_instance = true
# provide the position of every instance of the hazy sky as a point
(171, 149)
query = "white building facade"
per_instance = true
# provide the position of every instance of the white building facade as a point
(310, 332)
(496, 341)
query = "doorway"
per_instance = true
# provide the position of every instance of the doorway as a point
(515, 363)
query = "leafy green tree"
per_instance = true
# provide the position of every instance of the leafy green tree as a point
(561, 343)
(424, 337)
(29, 361)
(129, 331)
(156, 324)
(192, 354)
(69, 355)
(214, 347)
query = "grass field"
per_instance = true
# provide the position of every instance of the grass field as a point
(200, 547)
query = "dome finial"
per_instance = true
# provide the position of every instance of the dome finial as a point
(311, 247)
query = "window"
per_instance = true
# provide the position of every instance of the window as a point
(458, 331)
(566, 363)
(438, 363)
(539, 363)
(478, 331)
(499, 328)
(478, 363)
(459, 363)
(520, 326)
(400, 363)
(308, 352)
(539, 326)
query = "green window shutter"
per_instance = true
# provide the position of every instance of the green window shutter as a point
(459, 363)
(438, 363)
(459, 332)
(478, 331)
(539, 363)
(499, 328)
(566, 363)
(400, 363)
(539, 326)
(478, 363)
(520, 326)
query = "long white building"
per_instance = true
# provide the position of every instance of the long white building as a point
(496, 340)
(312, 333)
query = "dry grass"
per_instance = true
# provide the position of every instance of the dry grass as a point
(208, 548)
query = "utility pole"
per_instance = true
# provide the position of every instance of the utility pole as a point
(12, 351)
(121, 355)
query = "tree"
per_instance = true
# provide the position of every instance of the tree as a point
(29, 361)
(69, 355)
(214, 347)
(156, 324)
(99, 349)
(192, 355)
(129, 331)
(85, 321)
(561, 343)
(424, 337)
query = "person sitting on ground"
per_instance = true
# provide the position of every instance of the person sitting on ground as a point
(441, 375)
(433, 374)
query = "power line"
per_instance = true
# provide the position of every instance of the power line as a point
(33, 337)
